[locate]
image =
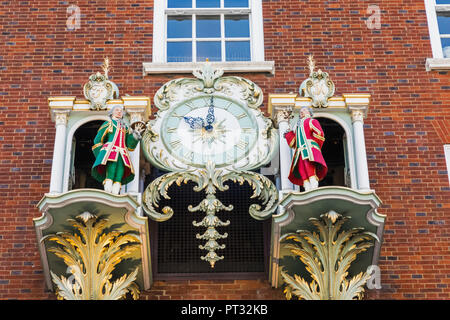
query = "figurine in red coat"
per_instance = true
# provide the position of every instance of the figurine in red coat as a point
(308, 166)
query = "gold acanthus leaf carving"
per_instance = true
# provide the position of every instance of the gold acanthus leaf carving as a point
(327, 256)
(91, 258)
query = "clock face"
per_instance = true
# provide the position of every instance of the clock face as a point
(209, 129)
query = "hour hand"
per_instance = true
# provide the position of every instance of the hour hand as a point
(194, 122)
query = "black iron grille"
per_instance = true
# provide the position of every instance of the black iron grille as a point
(177, 245)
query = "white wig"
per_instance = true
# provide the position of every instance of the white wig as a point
(110, 111)
(307, 109)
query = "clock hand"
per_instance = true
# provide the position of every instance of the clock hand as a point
(194, 122)
(198, 122)
(210, 118)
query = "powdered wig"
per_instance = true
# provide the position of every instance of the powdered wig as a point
(307, 109)
(110, 111)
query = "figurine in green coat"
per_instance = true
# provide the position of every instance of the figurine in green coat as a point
(111, 148)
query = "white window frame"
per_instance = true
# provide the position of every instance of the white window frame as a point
(437, 62)
(447, 159)
(160, 64)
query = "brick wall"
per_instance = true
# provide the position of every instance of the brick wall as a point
(405, 131)
(212, 290)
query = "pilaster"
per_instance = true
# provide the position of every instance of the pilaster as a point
(60, 109)
(282, 115)
(357, 106)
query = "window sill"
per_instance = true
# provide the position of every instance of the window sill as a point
(188, 67)
(437, 64)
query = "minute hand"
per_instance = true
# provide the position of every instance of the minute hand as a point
(210, 118)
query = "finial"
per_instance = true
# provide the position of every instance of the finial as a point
(311, 64)
(105, 67)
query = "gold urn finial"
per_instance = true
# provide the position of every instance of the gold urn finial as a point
(105, 67)
(311, 64)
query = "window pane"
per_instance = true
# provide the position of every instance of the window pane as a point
(208, 26)
(208, 3)
(446, 47)
(179, 51)
(236, 26)
(208, 50)
(237, 50)
(179, 27)
(236, 3)
(442, 1)
(179, 3)
(444, 23)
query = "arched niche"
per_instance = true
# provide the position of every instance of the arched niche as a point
(347, 114)
(72, 119)
(78, 153)
(335, 155)
(82, 157)
(337, 150)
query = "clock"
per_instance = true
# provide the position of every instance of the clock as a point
(209, 120)
(209, 128)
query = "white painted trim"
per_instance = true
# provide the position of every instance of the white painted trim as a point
(438, 62)
(362, 169)
(159, 27)
(447, 159)
(188, 67)
(283, 101)
(441, 64)
(433, 28)
(58, 162)
(285, 152)
(256, 30)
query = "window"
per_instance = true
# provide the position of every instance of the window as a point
(229, 32)
(443, 19)
(438, 15)
(207, 30)
(447, 159)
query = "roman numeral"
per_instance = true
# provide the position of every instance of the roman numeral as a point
(175, 144)
(248, 130)
(190, 105)
(175, 115)
(241, 116)
(228, 105)
(189, 156)
(242, 144)
(171, 130)
(229, 157)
